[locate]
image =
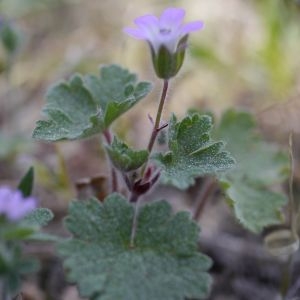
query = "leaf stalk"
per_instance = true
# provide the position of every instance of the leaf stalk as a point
(205, 193)
(114, 177)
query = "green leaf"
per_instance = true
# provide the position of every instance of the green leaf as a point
(192, 152)
(163, 264)
(255, 206)
(29, 227)
(72, 113)
(260, 165)
(85, 106)
(18, 233)
(38, 218)
(13, 265)
(259, 161)
(10, 38)
(115, 91)
(124, 158)
(26, 184)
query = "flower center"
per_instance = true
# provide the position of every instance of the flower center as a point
(164, 31)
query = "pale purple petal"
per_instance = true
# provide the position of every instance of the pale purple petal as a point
(192, 26)
(25, 207)
(13, 205)
(148, 26)
(171, 18)
(166, 31)
(170, 41)
(146, 22)
(135, 33)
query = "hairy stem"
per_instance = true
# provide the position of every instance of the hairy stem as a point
(156, 126)
(206, 191)
(114, 178)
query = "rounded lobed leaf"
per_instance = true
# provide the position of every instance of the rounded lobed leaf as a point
(164, 263)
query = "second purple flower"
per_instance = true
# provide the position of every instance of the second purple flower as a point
(13, 205)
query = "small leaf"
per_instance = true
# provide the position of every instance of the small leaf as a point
(124, 158)
(259, 161)
(260, 165)
(38, 218)
(87, 105)
(164, 264)
(115, 91)
(71, 111)
(192, 152)
(18, 233)
(28, 228)
(10, 38)
(26, 184)
(255, 207)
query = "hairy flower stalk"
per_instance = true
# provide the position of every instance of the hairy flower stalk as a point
(13, 205)
(167, 37)
(156, 127)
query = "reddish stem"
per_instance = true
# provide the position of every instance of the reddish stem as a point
(206, 191)
(156, 127)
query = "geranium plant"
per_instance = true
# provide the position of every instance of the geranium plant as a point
(121, 247)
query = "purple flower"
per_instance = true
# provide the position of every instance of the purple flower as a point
(13, 205)
(167, 37)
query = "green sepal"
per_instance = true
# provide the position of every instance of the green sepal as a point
(124, 158)
(167, 64)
